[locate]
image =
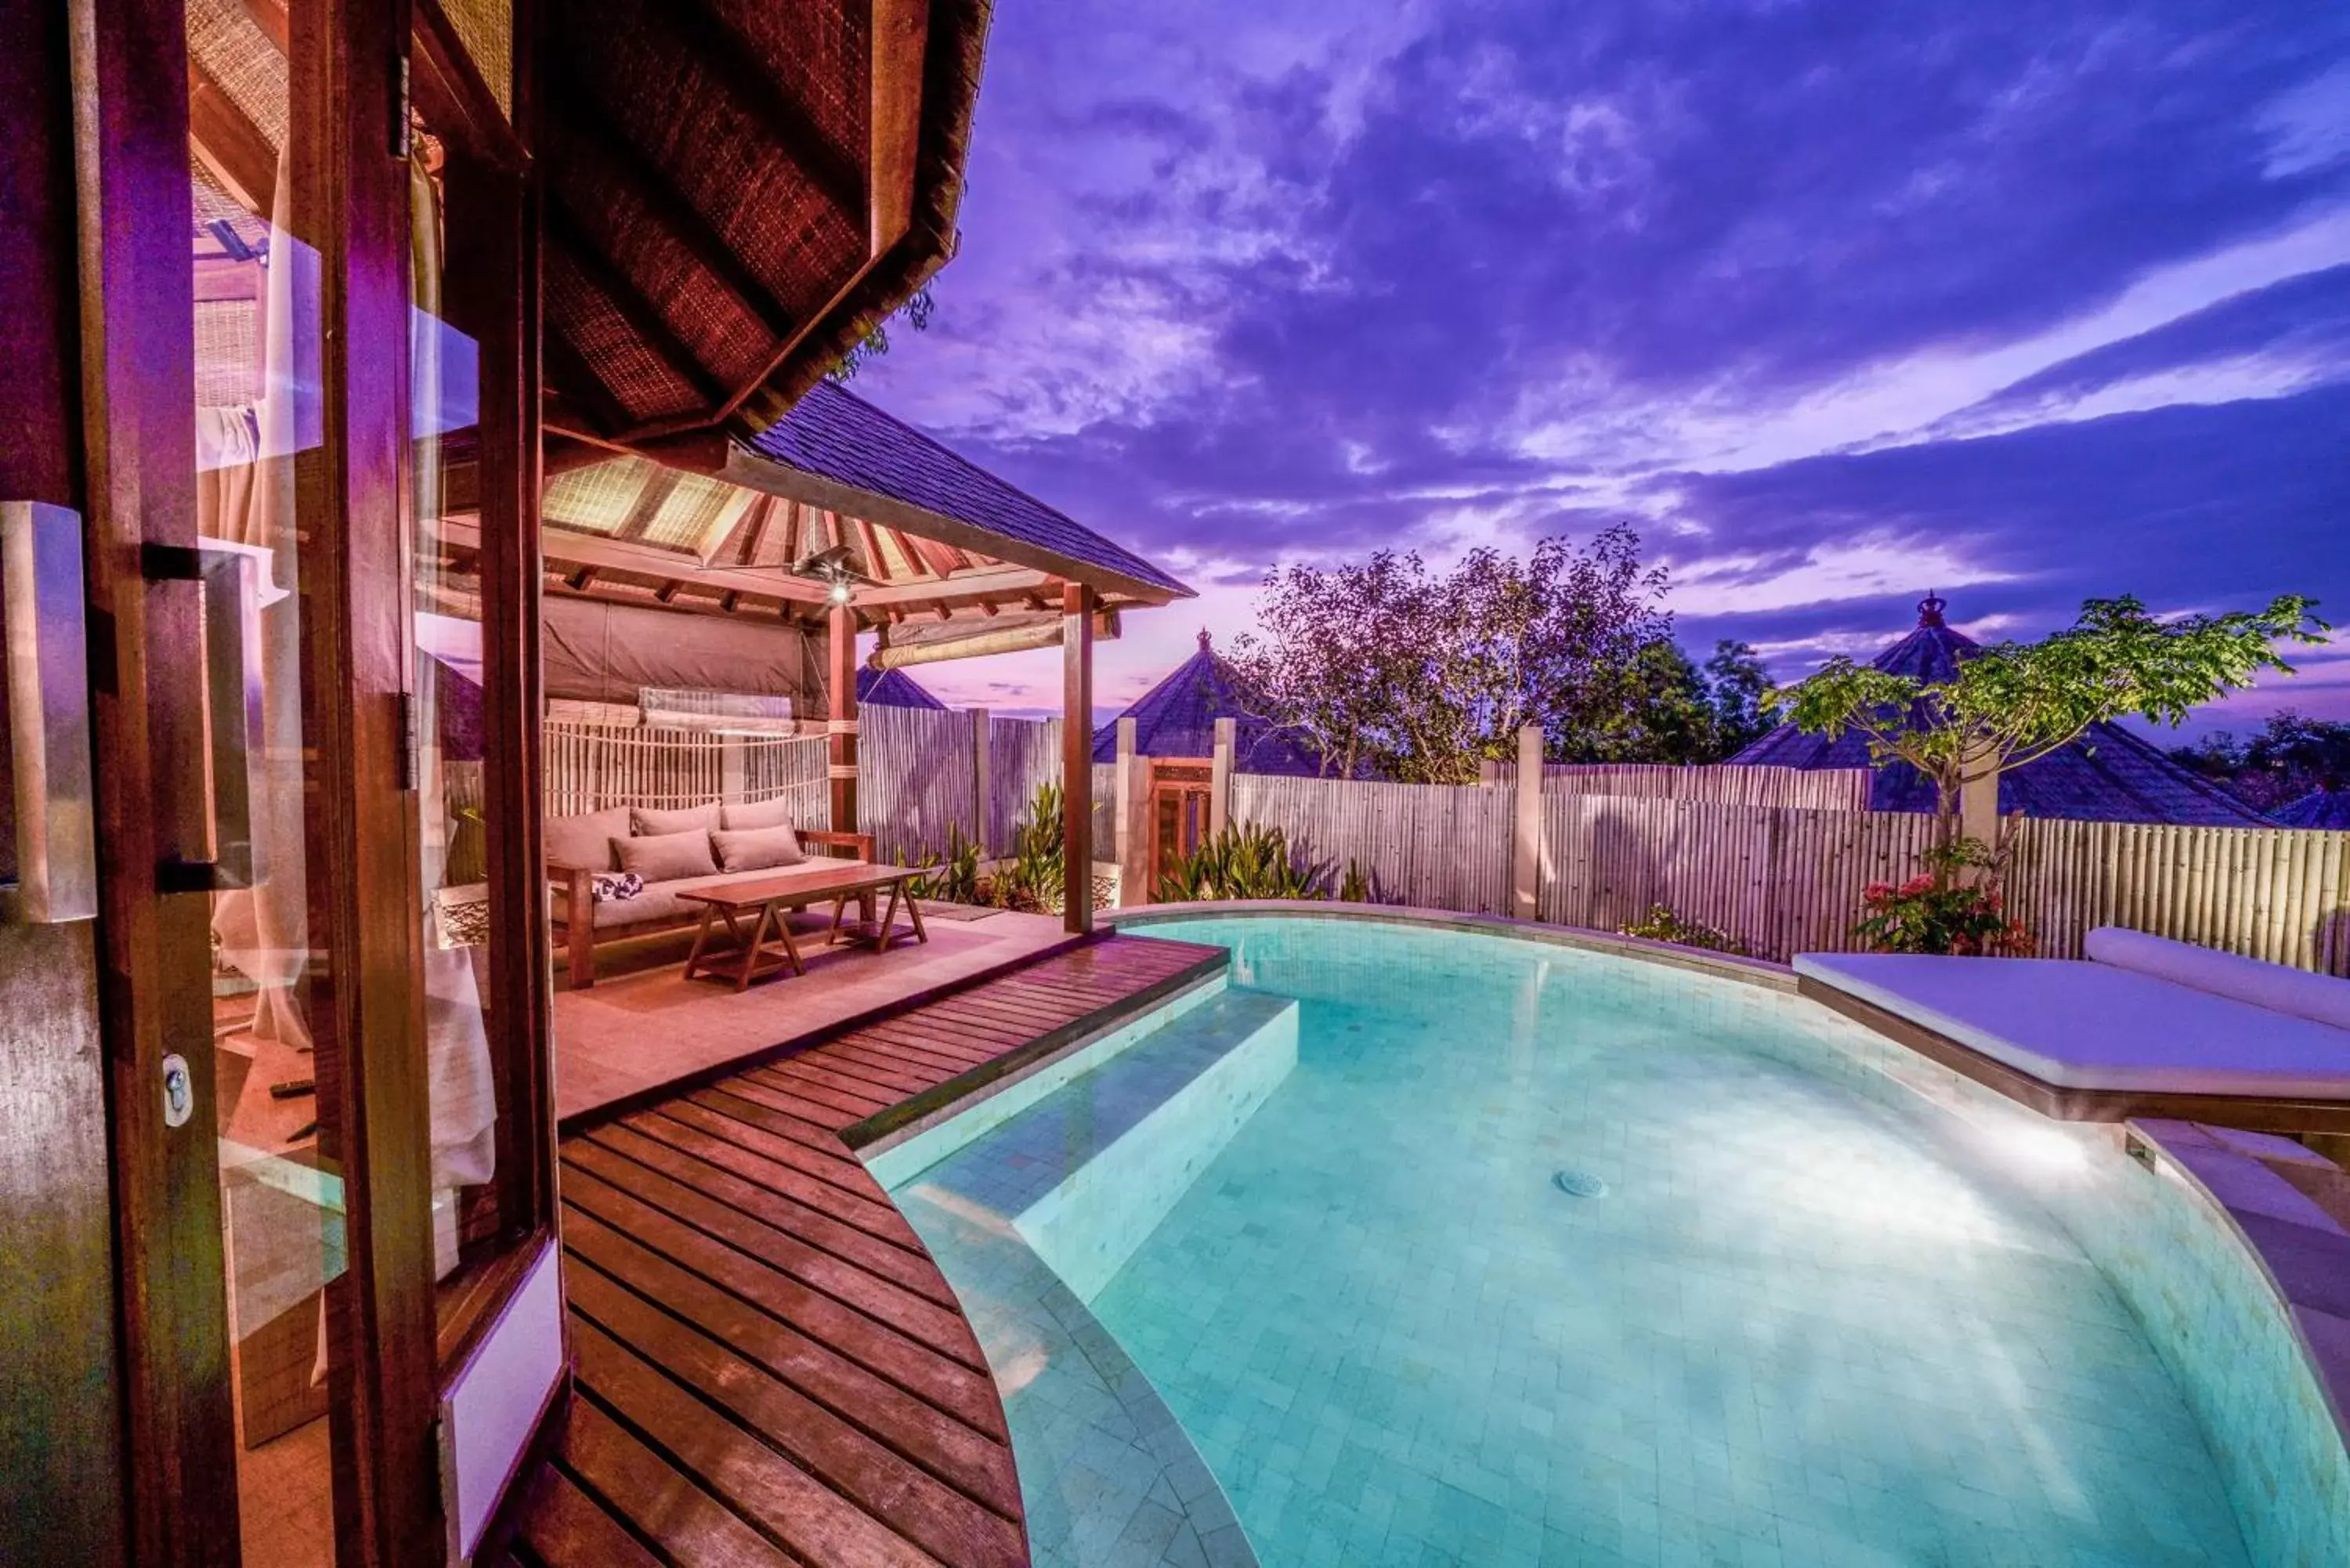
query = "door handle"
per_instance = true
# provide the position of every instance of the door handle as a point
(230, 577)
(41, 603)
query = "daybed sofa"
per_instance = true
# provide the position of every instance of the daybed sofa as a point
(673, 851)
(2139, 1022)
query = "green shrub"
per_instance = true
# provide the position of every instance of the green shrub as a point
(955, 878)
(1935, 912)
(1031, 878)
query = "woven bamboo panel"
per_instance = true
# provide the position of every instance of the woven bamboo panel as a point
(591, 767)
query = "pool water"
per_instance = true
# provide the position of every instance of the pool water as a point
(1791, 1326)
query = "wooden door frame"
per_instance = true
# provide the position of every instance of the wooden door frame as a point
(129, 73)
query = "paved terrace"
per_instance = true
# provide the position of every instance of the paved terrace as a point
(770, 1367)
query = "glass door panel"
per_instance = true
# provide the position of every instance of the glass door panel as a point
(259, 410)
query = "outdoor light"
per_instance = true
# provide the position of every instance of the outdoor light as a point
(834, 569)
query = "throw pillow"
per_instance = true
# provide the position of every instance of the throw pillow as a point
(667, 857)
(756, 848)
(696, 818)
(617, 887)
(765, 813)
(585, 838)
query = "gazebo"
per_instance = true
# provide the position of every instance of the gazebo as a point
(752, 563)
(2108, 775)
(894, 689)
(2324, 808)
(1176, 718)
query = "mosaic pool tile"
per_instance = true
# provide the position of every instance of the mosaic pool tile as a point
(1838, 1304)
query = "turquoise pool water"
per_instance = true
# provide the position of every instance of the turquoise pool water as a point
(1800, 1326)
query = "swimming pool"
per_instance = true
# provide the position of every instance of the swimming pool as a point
(1792, 1322)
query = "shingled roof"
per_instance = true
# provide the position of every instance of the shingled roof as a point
(2107, 775)
(848, 453)
(893, 688)
(2319, 808)
(1176, 718)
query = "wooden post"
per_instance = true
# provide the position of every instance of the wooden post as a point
(981, 786)
(1133, 827)
(840, 756)
(1220, 776)
(1076, 758)
(1526, 846)
(1979, 805)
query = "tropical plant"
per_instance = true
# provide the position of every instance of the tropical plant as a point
(1661, 925)
(1032, 878)
(1936, 912)
(1361, 887)
(1243, 861)
(2013, 703)
(953, 878)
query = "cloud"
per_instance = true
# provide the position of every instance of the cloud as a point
(2033, 302)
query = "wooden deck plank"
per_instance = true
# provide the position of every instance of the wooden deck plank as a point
(915, 1503)
(770, 1367)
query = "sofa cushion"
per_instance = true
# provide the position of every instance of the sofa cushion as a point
(762, 813)
(585, 838)
(697, 819)
(666, 857)
(757, 848)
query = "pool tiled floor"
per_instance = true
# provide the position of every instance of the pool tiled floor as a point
(1798, 1330)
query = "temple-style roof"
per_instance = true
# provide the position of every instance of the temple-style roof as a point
(2329, 808)
(2107, 775)
(736, 194)
(1176, 718)
(893, 688)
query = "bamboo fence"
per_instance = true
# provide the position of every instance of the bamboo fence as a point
(1844, 788)
(1781, 878)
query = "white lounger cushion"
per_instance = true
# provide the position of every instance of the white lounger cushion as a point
(2083, 1026)
(2320, 998)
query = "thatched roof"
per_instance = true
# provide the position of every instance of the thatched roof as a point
(1176, 718)
(2107, 775)
(737, 192)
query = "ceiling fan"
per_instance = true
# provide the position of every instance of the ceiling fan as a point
(835, 568)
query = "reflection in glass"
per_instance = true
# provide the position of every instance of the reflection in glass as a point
(259, 422)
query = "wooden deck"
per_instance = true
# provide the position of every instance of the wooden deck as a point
(770, 1369)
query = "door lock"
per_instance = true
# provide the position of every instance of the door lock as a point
(179, 1091)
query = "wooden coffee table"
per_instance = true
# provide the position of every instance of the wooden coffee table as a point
(768, 900)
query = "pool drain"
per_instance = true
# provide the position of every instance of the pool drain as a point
(1579, 1184)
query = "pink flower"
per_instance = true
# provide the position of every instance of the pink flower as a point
(1876, 892)
(1921, 883)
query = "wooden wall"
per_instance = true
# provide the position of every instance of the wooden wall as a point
(1444, 846)
(61, 1444)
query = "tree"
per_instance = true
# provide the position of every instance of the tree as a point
(2287, 758)
(1389, 667)
(1737, 689)
(2013, 703)
(916, 312)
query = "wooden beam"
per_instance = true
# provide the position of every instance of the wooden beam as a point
(575, 550)
(728, 600)
(754, 528)
(1078, 759)
(1001, 583)
(651, 496)
(900, 35)
(577, 581)
(644, 318)
(667, 590)
(840, 649)
(232, 148)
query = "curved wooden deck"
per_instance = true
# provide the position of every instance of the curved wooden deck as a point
(769, 1367)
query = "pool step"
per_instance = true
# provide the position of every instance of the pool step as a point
(1091, 1171)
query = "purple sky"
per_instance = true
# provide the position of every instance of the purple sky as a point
(1835, 302)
